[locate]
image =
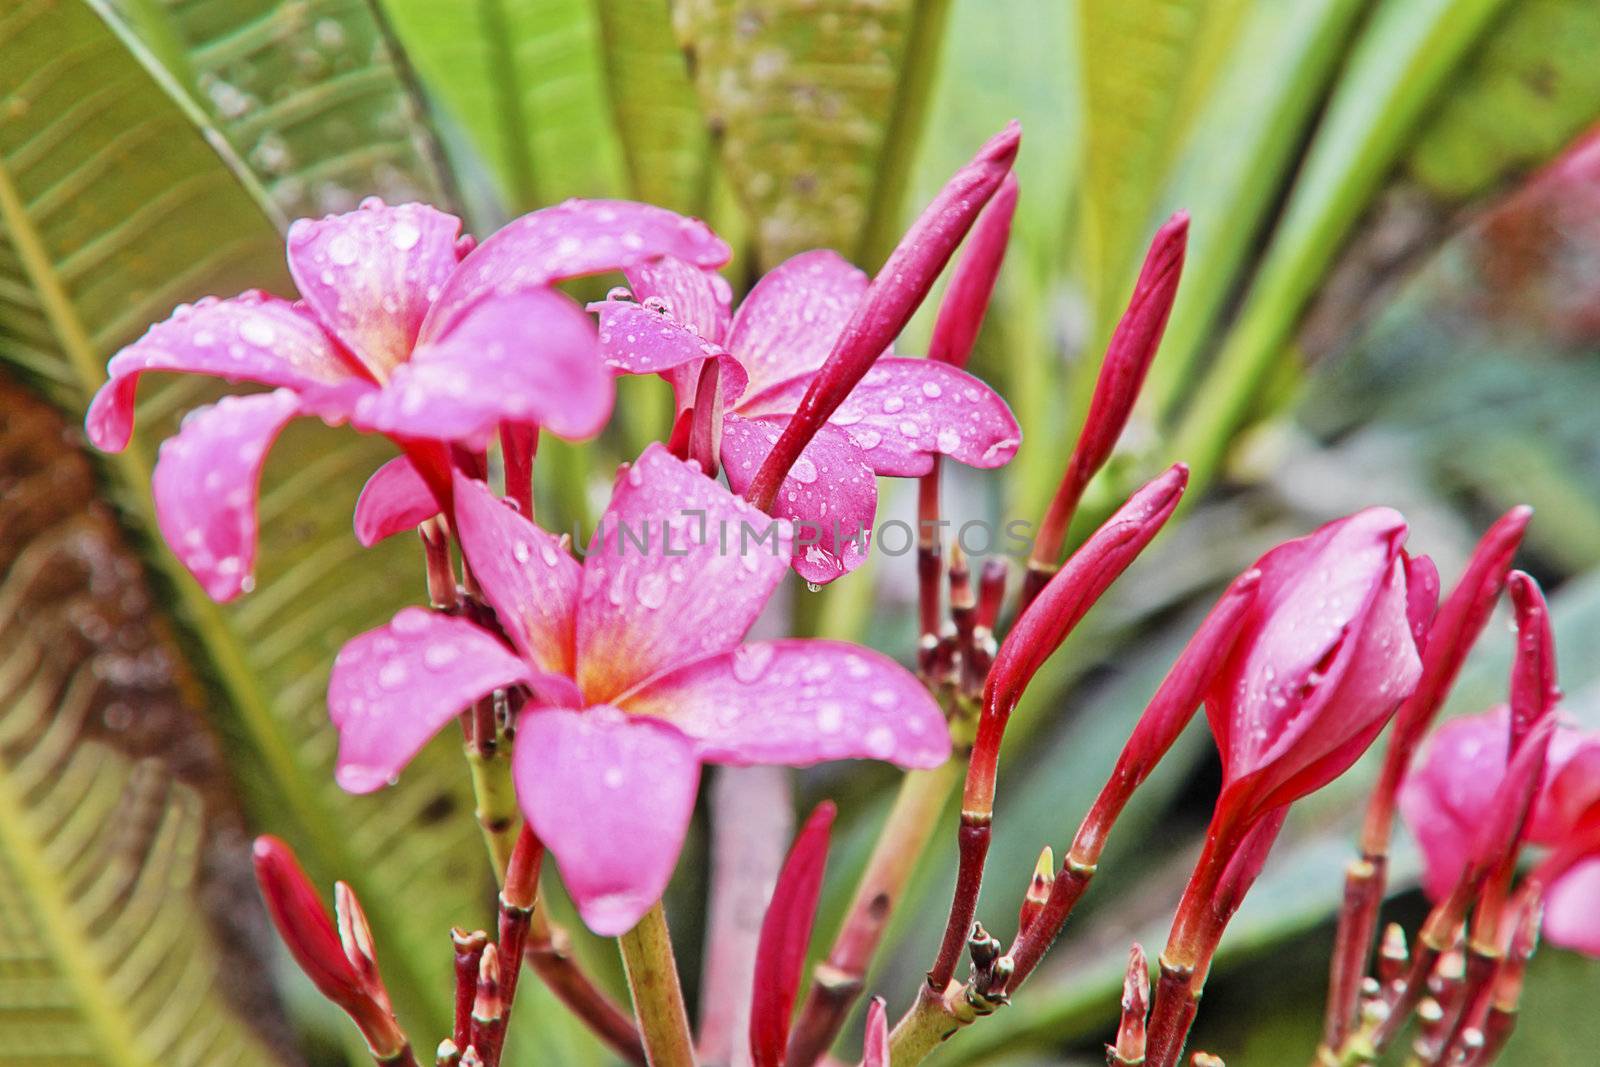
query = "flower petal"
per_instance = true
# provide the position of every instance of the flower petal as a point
(610, 796)
(637, 340)
(1449, 793)
(205, 485)
(393, 688)
(1570, 917)
(394, 500)
(567, 241)
(678, 568)
(253, 337)
(906, 411)
(527, 576)
(789, 321)
(700, 299)
(531, 356)
(371, 274)
(875, 1047)
(798, 701)
(830, 494)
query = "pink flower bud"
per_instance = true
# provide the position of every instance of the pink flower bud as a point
(894, 295)
(1326, 651)
(785, 936)
(972, 283)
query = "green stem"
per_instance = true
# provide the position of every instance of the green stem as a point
(496, 798)
(928, 1024)
(657, 996)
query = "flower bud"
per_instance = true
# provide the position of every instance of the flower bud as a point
(785, 936)
(972, 282)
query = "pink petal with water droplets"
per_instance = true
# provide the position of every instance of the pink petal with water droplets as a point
(789, 321)
(527, 576)
(394, 500)
(700, 299)
(610, 796)
(831, 493)
(531, 357)
(637, 340)
(798, 701)
(393, 688)
(371, 274)
(253, 337)
(205, 485)
(572, 239)
(1571, 920)
(672, 574)
(910, 410)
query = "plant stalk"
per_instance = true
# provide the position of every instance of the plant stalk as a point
(657, 997)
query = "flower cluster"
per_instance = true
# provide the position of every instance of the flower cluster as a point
(591, 691)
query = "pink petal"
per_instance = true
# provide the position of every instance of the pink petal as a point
(1449, 793)
(393, 688)
(205, 485)
(906, 411)
(370, 275)
(1571, 919)
(527, 576)
(798, 701)
(830, 494)
(531, 356)
(610, 796)
(637, 340)
(394, 500)
(875, 1051)
(678, 569)
(570, 240)
(253, 337)
(700, 299)
(789, 321)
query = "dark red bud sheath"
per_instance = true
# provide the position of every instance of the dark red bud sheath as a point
(889, 302)
(342, 970)
(469, 950)
(1534, 692)
(972, 282)
(1128, 1051)
(1451, 635)
(1128, 357)
(785, 936)
(875, 1051)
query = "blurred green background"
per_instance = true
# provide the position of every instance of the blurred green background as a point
(1387, 300)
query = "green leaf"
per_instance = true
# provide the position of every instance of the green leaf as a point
(1405, 55)
(308, 94)
(119, 833)
(817, 112)
(115, 204)
(524, 78)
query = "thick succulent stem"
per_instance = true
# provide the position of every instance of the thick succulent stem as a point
(657, 996)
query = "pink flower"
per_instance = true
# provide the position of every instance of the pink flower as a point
(902, 414)
(399, 330)
(1326, 651)
(637, 673)
(1451, 794)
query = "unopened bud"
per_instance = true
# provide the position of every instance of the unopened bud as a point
(488, 1007)
(1393, 955)
(448, 1055)
(1044, 876)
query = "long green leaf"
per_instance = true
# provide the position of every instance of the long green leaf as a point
(524, 79)
(117, 824)
(817, 113)
(310, 95)
(115, 205)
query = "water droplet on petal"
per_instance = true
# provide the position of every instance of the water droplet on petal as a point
(803, 471)
(405, 236)
(651, 590)
(257, 332)
(393, 675)
(892, 404)
(438, 657)
(342, 250)
(931, 390)
(521, 552)
(750, 662)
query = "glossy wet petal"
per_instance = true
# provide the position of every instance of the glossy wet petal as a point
(700, 299)
(253, 337)
(635, 339)
(526, 575)
(393, 688)
(568, 240)
(1449, 792)
(906, 411)
(394, 500)
(370, 275)
(799, 701)
(610, 796)
(788, 323)
(530, 357)
(205, 484)
(831, 493)
(679, 568)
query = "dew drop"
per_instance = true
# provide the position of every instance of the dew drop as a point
(750, 662)
(405, 236)
(438, 657)
(892, 404)
(931, 390)
(651, 590)
(521, 552)
(803, 471)
(393, 675)
(342, 250)
(257, 332)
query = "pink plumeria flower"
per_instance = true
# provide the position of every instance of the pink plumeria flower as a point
(1451, 792)
(399, 330)
(903, 413)
(637, 673)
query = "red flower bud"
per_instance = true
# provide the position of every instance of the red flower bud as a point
(785, 936)
(889, 302)
(875, 1052)
(972, 282)
(1326, 652)
(1534, 693)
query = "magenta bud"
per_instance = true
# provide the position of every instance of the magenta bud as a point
(785, 937)
(972, 283)
(1534, 692)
